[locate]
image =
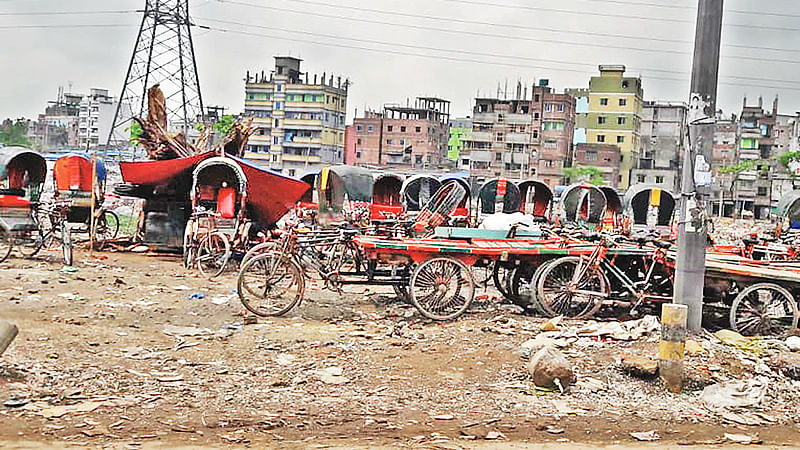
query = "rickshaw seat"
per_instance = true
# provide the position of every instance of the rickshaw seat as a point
(226, 202)
(14, 201)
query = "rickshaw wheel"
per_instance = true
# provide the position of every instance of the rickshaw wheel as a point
(764, 309)
(500, 275)
(6, 244)
(213, 254)
(270, 284)
(442, 288)
(263, 247)
(66, 243)
(29, 247)
(106, 228)
(555, 296)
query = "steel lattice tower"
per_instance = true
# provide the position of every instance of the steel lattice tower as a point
(164, 55)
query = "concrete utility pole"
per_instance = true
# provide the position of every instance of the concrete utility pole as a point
(696, 180)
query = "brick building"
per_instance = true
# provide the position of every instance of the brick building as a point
(605, 157)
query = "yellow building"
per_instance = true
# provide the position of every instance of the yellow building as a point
(299, 118)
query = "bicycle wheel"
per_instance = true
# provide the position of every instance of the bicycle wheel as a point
(106, 228)
(263, 247)
(270, 284)
(6, 245)
(66, 243)
(764, 309)
(213, 254)
(442, 288)
(500, 275)
(559, 295)
(30, 245)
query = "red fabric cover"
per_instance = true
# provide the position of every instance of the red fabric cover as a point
(158, 173)
(73, 173)
(226, 202)
(379, 212)
(14, 201)
(270, 195)
(460, 212)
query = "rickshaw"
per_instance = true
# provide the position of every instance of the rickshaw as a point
(461, 215)
(613, 211)
(583, 204)
(72, 175)
(22, 220)
(218, 223)
(649, 206)
(536, 199)
(499, 195)
(386, 200)
(345, 193)
(789, 209)
(417, 191)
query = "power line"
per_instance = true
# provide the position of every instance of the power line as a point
(68, 13)
(455, 59)
(89, 25)
(692, 7)
(466, 52)
(490, 35)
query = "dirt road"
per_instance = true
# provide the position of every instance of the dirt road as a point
(134, 351)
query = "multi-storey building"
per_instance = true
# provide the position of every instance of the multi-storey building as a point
(663, 136)
(460, 130)
(724, 154)
(604, 157)
(755, 136)
(611, 113)
(521, 138)
(96, 118)
(299, 120)
(403, 137)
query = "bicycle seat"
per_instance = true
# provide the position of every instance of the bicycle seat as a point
(350, 232)
(662, 244)
(747, 241)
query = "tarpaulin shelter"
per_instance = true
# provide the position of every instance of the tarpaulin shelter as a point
(22, 172)
(418, 190)
(496, 191)
(345, 193)
(644, 200)
(536, 198)
(583, 202)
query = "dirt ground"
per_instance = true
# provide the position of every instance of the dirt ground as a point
(133, 351)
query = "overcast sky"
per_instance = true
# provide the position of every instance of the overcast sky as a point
(462, 59)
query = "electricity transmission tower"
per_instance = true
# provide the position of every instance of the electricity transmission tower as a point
(163, 55)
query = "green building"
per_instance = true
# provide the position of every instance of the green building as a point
(460, 130)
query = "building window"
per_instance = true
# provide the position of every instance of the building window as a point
(623, 102)
(601, 138)
(536, 98)
(277, 123)
(291, 172)
(274, 158)
(358, 155)
(389, 128)
(621, 121)
(620, 139)
(640, 178)
(389, 142)
(591, 156)
(659, 179)
(536, 116)
(275, 139)
(535, 134)
(370, 128)
(762, 191)
(279, 87)
(278, 105)
(402, 142)
(498, 156)
(548, 107)
(418, 129)
(359, 128)
(498, 137)
(604, 101)
(602, 119)
(402, 129)
(358, 142)
(560, 107)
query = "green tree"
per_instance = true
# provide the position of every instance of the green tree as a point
(224, 124)
(136, 131)
(14, 132)
(591, 175)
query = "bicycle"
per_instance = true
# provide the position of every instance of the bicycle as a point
(55, 228)
(204, 246)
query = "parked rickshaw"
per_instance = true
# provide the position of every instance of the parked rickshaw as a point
(25, 223)
(789, 209)
(613, 213)
(417, 191)
(583, 204)
(499, 195)
(461, 214)
(308, 206)
(72, 175)
(345, 193)
(649, 206)
(386, 197)
(536, 199)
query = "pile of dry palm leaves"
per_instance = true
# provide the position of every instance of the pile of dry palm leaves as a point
(160, 145)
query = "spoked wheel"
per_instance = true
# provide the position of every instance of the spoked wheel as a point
(213, 254)
(270, 284)
(483, 275)
(764, 309)
(30, 245)
(560, 292)
(66, 243)
(6, 245)
(263, 247)
(401, 291)
(106, 228)
(442, 288)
